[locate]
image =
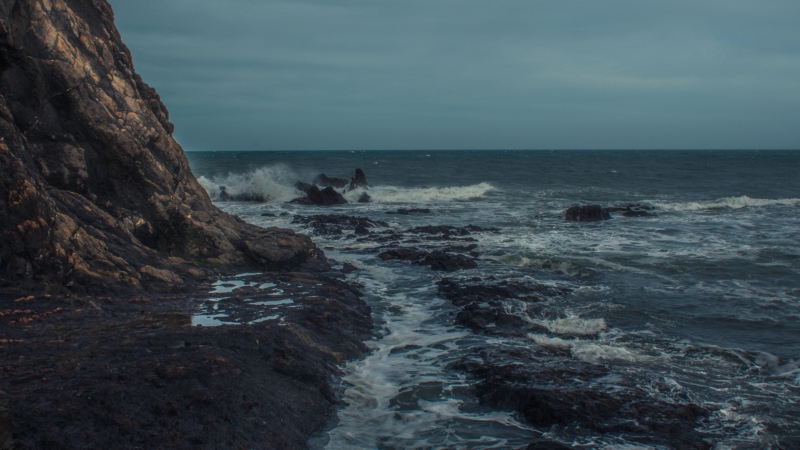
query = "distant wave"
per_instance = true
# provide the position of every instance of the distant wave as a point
(271, 184)
(275, 184)
(728, 202)
(394, 194)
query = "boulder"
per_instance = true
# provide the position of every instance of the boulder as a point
(324, 197)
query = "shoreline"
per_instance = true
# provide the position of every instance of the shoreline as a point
(141, 375)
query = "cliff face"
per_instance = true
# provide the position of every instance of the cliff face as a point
(94, 190)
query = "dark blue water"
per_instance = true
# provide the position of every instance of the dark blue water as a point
(704, 296)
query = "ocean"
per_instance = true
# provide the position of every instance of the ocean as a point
(698, 303)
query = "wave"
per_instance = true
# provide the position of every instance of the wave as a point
(271, 184)
(588, 351)
(394, 194)
(728, 203)
(575, 326)
(275, 184)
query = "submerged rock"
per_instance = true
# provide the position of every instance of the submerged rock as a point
(407, 211)
(589, 213)
(558, 392)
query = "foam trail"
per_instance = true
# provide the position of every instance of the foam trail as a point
(271, 184)
(728, 203)
(394, 194)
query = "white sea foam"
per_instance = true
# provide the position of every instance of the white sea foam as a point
(272, 184)
(575, 326)
(728, 203)
(394, 194)
(589, 351)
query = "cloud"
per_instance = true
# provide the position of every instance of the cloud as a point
(371, 74)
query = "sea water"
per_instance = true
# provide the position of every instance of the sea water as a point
(704, 297)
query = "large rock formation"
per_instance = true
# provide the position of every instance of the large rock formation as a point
(94, 190)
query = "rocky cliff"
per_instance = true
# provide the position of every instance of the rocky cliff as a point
(94, 190)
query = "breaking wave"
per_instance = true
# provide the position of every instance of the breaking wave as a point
(394, 194)
(275, 184)
(728, 203)
(271, 184)
(589, 351)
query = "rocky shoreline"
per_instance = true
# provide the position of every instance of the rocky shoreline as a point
(133, 372)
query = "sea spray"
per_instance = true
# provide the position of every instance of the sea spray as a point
(270, 184)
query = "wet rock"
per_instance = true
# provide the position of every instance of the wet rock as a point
(462, 292)
(555, 392)
(6, 429)
(359, 180)
(349, 268)
(303, 187)
(327, 224)
(324, 197)
(437, 260)
(633, 210)
(589, 213)
(407, 211)
(364, 198)
(485, 316)
(323, 180)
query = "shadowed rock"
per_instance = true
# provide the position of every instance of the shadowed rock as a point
(323, 181)
(589, 213)
(324, 197)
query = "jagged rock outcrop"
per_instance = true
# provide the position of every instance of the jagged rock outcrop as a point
(94, 190)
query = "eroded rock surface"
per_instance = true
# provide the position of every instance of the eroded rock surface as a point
(93, 187)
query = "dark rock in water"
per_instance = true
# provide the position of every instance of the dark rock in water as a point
(327, 224)
(323, 180)
(408, 211)
(563, 393)
(324, 197)
(447, 262)
(360, 180)
(349, 268)
(437, 260)
(462, 292)
(303, 187)
(637, 213)
(268, 215)
(484, 316)
(365, 198)
(633, 210)
(589, 213)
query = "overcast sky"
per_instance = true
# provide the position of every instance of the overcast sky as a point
(466, 74)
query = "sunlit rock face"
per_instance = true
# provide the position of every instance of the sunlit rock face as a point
(94, 190)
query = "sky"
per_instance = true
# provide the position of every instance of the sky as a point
(468, 74)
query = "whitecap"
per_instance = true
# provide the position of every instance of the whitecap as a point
(728, 203)
(271, 184)
(395, 194)
(589, 351)
(575, 326)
